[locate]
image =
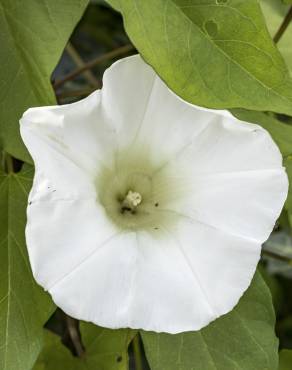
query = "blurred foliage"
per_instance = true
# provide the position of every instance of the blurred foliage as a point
(274, 12)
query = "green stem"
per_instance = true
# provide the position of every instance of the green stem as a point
(283, 26)
(137, 353)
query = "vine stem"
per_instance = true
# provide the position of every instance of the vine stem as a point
(74, 335)
(137, 353)
(75, 93)
(277, 256)
(112, 54)
(93, 81)
(284, 25)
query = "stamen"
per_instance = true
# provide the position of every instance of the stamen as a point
(131, 201)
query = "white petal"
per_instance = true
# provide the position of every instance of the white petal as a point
(168, 284)
(68, 144)
(146, 113)
(62, 233)
(234, 179)
(227, 144)
(98, 289)
(187, 273)
(243, 203)
(139, 281)
(223, 263)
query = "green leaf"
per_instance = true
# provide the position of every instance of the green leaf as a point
(105, 350)
(285, 359)
(32, 38)
(24, 307)
(214, 53)
(244, 339)
(275, 12)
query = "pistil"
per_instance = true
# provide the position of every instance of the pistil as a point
(131, 201)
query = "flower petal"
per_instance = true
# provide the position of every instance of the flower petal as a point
(139, 282)
(145, 111)
(234, 179)
(243, 203)
(68, 144)
(222, 186)
(167, 284)
(223, 263)
(227, 145)
(62, 233)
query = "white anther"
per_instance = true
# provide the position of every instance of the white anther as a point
(133, 198)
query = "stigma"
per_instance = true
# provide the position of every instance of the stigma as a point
(131, 201)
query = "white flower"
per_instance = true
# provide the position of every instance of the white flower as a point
(146, 211)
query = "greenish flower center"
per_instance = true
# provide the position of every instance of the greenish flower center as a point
(135, 194)
(131, 202)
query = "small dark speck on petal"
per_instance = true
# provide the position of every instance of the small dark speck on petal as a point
(119, 359)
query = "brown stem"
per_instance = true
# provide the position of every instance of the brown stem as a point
(284, 25)
(93, 81)
(73, 331)
(277, 256)
(94, 62)
(74, 93)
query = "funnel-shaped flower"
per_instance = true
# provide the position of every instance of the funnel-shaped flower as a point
(146, 211)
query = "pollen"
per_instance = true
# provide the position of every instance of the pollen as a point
(132, 199)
